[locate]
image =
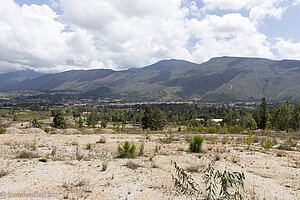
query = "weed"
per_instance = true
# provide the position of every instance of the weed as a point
(196, 144)
(104, 165)
(79, 155)
(101, 141)
(151, 157)
(217, 157)
(192, 169)
(267, 144)
(53, 151)
(26, 154)
(47, 130)
(89, 146)
(141, 153)
(132, 165)
(3, 173)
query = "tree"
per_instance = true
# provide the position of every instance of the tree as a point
(59, 120)
(295, 120)
(80, 122)
(250, 122)
(103, 124)
(93, 119)
(36, 123)
(154, 119)
(263, 114)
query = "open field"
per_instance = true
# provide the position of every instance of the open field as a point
(64, 165)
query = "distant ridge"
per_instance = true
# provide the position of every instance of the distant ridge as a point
(219, 79)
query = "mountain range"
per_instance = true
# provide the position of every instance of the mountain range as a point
(219, 79)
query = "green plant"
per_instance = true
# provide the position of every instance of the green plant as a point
(248, 140)
(2, 130)
(3, 173)
(104, 165)
(151, 157)
(26, 154)
(267, 144)
(89, 146)
(101, 140)
(218, 185)
(196, 144)
(141, 153)
(127, 150)
(132, 165)
(47, 130)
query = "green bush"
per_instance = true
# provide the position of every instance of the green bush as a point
(235, 129)
(101, 141)
(26, 154)
(47, 130)
(127, 150)
(2, 130)
(196, 144)
(89, 146)
(212, 129)
(267, 144)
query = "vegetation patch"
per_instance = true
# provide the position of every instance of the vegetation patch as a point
(127, 150)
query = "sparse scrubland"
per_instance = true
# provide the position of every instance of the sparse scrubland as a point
(251, 154)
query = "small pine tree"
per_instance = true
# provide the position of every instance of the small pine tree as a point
(154, 119)
(93, 119)
(59, 120)
(80, 122)
(263, 114)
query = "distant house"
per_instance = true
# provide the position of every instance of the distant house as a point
(216, 120)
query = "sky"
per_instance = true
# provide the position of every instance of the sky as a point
(57, 35)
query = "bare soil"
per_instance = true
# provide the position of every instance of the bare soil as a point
(63, 166)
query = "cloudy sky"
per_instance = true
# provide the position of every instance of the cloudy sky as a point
(58, 35)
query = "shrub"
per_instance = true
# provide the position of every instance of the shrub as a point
(104, 166)
(127, 150)
(235, 129)
(47, 130)
(141, 153)
(212, 129)
(196, 144)
(26, 154)
(2, 130)
(101, 140)
(267, 144)
(89, 146)
(3, 173)
(132, 165)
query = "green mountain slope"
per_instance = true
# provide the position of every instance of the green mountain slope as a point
(12, 78)
(219, 79)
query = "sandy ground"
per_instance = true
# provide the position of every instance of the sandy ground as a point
(74, 172)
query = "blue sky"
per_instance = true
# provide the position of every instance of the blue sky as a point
(58, 35)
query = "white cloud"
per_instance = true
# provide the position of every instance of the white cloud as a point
(30, 35)
(130, 32)
(118, 34)
(226, 4)
(231, 34)
(287, 49)
(296, 2)
(258, 9)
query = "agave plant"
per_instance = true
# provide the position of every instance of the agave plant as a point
(127, 150)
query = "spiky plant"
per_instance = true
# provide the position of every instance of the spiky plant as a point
(196, 144)
(127, 150)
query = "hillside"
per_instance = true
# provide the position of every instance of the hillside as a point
(12, 78)
(219, 79)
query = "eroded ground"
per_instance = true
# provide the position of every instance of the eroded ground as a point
(62, 165)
